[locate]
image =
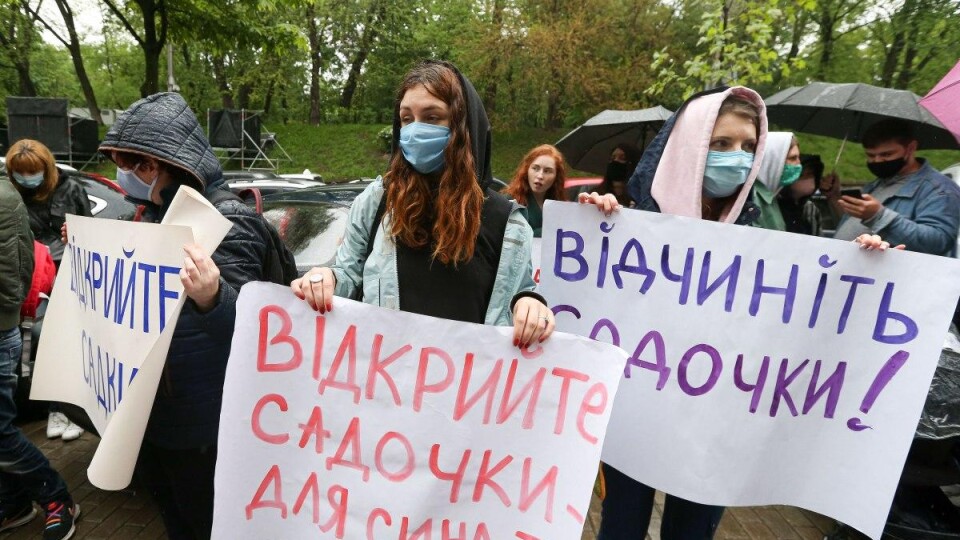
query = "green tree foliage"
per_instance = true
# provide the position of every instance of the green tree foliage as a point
(536, 63)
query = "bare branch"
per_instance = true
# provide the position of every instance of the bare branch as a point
(126, 23)
(43, 21)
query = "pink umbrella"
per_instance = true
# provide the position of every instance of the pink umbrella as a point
(943, 101)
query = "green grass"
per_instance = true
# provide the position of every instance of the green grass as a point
(342, 152)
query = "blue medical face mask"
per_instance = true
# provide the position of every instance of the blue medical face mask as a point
(423, 145)
(134, 186)
(29, 181)
(791, 173)
(725, 172)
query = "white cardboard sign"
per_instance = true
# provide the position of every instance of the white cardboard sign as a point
(112, 313)
(765, 367)
(372, 423)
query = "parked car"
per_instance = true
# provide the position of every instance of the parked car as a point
(312, 221)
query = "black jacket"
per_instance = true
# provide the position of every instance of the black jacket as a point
(48, 216)
(186, 411)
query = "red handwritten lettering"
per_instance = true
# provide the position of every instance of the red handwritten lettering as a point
(548, 483)
(421, 386)
(272, 478)
(372, 518)
(532, 388)
(455, 479)
(408, 463)
(351, 443)
(598, 390)
(256, 426)
(489, 387)
(314, 428)
(485, 478)
(378, 367)
(567, 375)
(348, 349)
(283, 336)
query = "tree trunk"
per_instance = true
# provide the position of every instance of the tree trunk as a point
(313, 34)
(370, 31)
(826, 45)
(243, 95)
(73, 45)
(894, 52)
(268, 98)
(220, 75)
(490, 92)
(26, 86)
(906, 70)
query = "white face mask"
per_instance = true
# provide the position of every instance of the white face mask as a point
(29, 181)
(134, 186)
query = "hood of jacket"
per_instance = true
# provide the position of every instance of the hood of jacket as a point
(477, 124)
(671, 169)
(775, 159)
(164, 127)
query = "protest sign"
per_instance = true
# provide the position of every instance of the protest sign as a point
(111, 317)
(372, 423)
(765, 368)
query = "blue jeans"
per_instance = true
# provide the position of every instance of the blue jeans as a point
(25, 473)
(629, 504)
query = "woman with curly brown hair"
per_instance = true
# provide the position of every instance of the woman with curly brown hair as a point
(431, 228)
(540, 176)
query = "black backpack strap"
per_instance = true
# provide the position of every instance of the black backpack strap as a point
(495, 214)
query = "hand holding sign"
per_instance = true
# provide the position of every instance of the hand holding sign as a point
(316, 287)
(200, 277)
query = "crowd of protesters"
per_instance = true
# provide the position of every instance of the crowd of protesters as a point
(432, 228)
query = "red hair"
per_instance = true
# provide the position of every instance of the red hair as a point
(451, 222)
(519, 187)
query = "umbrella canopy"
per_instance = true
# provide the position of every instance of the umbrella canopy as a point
(942, 101)
(588, 147)
(847, 110)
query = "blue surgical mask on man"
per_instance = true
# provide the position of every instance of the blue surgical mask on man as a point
(725, 172)
(423, 145)
(29, 181)
(133, 185)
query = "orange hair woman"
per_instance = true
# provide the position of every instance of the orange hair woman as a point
(540, 176)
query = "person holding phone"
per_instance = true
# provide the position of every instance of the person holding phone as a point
(908, 203)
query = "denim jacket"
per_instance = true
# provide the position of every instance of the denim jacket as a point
(924, 213)
(376, 275)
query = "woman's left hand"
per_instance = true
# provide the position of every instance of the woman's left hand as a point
(200, 277)
(873, 241)
(533, 322)
(606, 203)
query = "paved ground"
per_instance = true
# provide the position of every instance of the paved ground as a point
(130, 514)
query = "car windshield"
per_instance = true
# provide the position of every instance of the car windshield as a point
(311, 231)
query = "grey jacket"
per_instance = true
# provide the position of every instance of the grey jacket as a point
(16, 255)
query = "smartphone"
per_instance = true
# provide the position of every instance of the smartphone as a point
(852, 192)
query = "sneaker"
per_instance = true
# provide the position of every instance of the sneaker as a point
(13, 518)
(61, 520)
(56, 424)
(72, 432)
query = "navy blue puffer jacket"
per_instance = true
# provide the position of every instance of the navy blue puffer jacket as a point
(186, 411)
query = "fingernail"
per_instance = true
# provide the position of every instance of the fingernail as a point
(516, 342)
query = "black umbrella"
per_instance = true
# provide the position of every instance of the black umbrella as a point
(845, 111)
(588, 147)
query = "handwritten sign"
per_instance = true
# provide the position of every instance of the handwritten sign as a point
(111, 318)
(117, 294)
(765, 368)
(372, 423)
